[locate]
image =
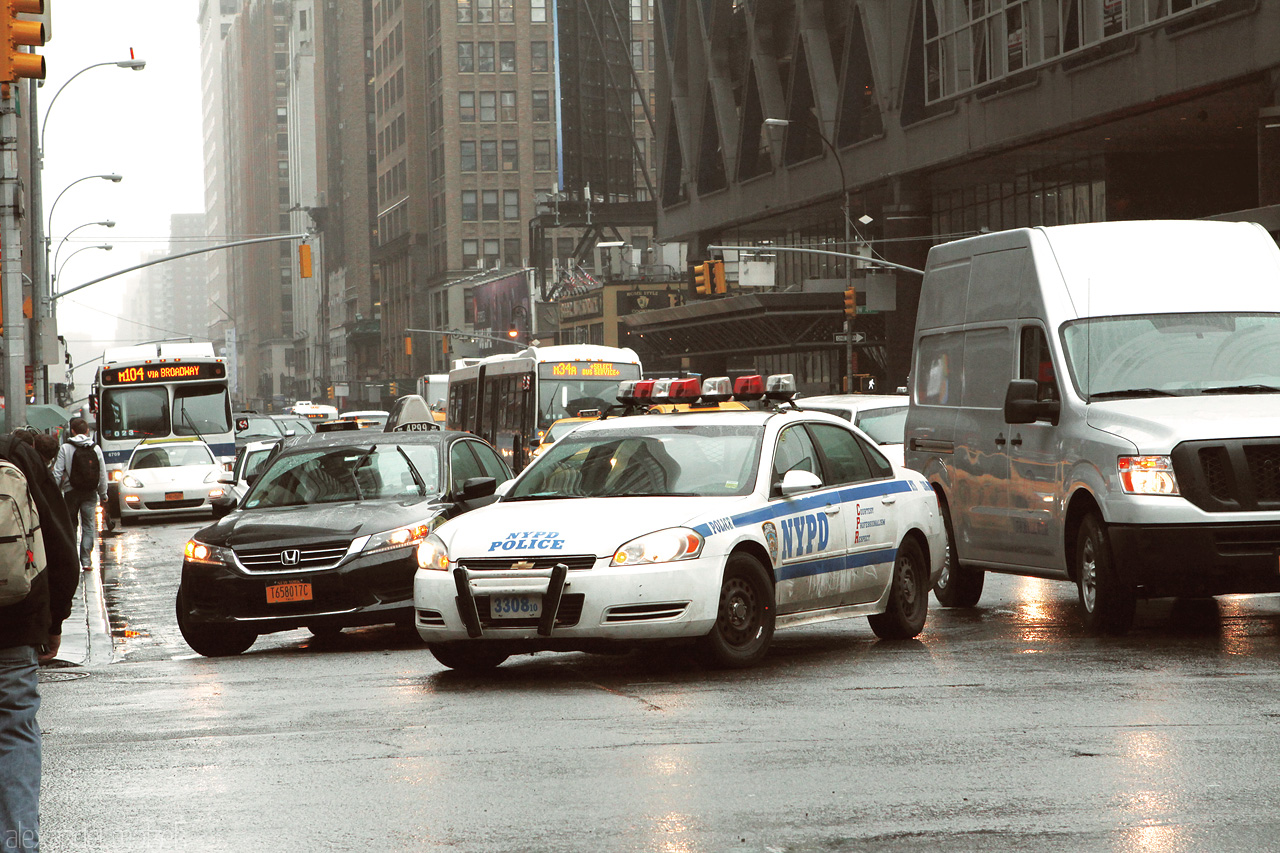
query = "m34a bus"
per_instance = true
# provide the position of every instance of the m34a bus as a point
(160, 390)
(510, 400)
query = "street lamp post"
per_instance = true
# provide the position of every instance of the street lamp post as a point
(57, 276)
(848, 266)
(106, 223)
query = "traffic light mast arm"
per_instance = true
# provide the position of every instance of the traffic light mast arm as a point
(863, 258)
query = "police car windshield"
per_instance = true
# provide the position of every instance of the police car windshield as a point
(706, 460)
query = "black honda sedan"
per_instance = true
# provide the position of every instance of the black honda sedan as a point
(325, 537)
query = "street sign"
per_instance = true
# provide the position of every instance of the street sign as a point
(858, 337)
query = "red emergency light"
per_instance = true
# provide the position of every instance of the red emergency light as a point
(747, 389)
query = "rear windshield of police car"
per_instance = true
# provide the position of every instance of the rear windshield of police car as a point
(702, 460)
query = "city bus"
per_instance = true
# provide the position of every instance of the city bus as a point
(160, 390)
(510, 400)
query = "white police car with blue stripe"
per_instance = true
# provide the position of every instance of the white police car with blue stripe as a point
(704, 525)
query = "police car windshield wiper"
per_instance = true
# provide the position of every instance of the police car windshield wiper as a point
(1241, 389)
(543, 496)
(1132, 392)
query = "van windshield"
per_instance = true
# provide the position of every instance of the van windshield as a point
(1150, 355)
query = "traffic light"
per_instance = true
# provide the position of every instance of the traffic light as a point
(304, 260)
(15, 33)
(408, 345)
(850, 302)
(391, 386)
(717, 277)
(702, 283)
(513, 332)
(329, 392)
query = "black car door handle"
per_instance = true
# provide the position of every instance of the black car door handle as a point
(1000, 442)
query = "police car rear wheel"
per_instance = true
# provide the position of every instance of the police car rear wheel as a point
(908, 603)
(744, 626)
(957, 586)
(212, 640)
(467, 657)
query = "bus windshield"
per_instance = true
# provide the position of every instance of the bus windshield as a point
(200, 410)
(134, 412)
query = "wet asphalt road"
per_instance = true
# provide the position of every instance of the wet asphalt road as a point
(1001, 728)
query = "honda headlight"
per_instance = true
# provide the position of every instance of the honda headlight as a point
(432, 554)
(1148, 475)
(131, 482)
(210, 555)
(662, 546)
(401, 537)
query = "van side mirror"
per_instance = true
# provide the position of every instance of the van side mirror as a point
(1022, 406)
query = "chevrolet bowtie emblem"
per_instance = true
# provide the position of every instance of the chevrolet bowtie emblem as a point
(522, 565)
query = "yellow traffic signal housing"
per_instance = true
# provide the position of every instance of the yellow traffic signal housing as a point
(850, 302)
(408, 345)
(304, 260)
(702, 278)
(329, 392)
(717, 277)
(392, 388)
(15, 33)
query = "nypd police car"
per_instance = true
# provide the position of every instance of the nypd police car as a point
(708, 526)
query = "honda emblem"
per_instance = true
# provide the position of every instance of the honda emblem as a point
(290, 557)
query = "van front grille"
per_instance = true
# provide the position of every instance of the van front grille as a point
(1237, 475)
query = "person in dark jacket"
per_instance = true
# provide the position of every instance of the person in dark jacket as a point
(30, 633)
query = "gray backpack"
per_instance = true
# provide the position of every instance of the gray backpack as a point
(21, 543)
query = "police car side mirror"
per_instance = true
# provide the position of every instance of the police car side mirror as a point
(503, 487)
(795, 481)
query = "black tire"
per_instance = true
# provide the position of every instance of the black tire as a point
(212, 641)
(467, 656)
(325, 632)
(957, 586)
(744, 624)
(1108, 604)
(908, 603)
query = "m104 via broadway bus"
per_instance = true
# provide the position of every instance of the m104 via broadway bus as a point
(510, 400)
(160, 390)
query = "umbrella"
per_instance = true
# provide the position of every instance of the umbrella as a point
(48, 417)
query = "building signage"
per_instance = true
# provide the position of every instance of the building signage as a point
(588, 306)
(650, 299)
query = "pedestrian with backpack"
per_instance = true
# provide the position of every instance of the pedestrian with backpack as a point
(38, 578)
(81, 472)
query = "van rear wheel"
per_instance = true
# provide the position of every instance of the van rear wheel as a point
(1107, 603)
(957, 586)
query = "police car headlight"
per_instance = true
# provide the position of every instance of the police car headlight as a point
(1148, 475)
(663, 546)
(432, 554)
(401, 537)
(131, 482)
(212, 555)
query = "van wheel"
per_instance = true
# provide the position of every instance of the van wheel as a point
(957, 586)
(212, 640)
(744, 624)
(467, 657)
(908, 603)
(1107, 603)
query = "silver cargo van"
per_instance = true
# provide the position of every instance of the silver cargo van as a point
(1101, 404)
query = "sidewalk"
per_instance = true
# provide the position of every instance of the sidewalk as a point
(86, 634)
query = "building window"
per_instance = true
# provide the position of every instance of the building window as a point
(538, 59)
(542, 155)
(489, 205)
(464, 11)
(470, 254)
(506, 56)
(488, 155)
(466, 56)
(541, 105)
(538, 11)
(469, 206)
(511, 204)
(637, 10)
(484, 11)
(488, 106)
(506, 11)
(637, 54)
(467, 155)
(510, 155)
(466, 106)
(511, 253)
(491, 257)
(507, 102)
(484, 56)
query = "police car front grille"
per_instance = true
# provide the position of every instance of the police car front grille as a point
(504, 564)
(310, 557)
(1238, 475)
(430, 618)
(644, 612)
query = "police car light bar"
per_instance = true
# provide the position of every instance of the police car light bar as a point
(716, 390)
(748, 388)
(684, 391)
(781, 387)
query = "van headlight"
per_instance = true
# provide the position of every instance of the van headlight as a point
(432, 554)
(401, 537)
(1148, 475)
(662, 546)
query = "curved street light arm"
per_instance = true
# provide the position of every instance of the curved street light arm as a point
(135, 64)
(106, 223)
(58, 272)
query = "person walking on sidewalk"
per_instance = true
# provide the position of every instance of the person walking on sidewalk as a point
(31, 632)
(81, 472)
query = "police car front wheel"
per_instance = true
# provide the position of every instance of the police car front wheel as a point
(744, 625)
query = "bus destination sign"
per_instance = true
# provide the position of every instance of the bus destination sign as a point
(140, 374)
(586, 370)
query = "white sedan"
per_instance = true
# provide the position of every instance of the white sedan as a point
(714, 528)
(167, 477)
